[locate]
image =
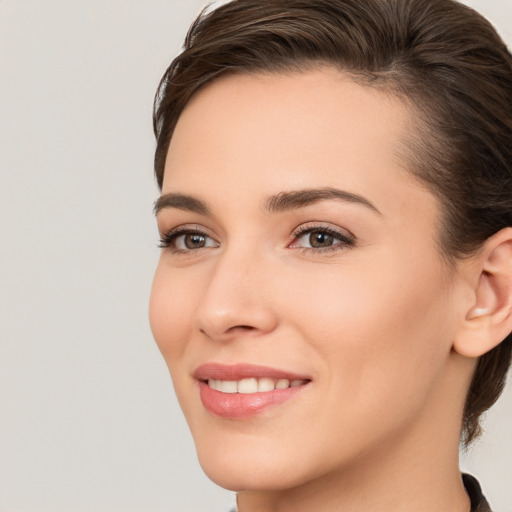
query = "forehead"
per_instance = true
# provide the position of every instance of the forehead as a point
(274, 132)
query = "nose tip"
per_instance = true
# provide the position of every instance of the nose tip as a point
(235, 320)
(235, 303)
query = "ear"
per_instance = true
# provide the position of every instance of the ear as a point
(489, 320)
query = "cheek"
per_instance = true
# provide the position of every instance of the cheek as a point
(170, 310)
(378, 331)
(379, 342)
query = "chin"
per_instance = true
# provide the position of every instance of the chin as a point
(245, 465)
(249, 476)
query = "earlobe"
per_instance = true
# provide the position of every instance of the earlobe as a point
(489, 320)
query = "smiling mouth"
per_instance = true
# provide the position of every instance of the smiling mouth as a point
(242, 391)
(253, 385)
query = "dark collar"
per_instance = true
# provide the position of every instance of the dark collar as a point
(478, 501)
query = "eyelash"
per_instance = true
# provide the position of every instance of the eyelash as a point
(167, 240)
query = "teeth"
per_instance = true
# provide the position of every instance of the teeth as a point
(282, 384)
(215, 384)
(247, 386)
(266, 385)
(252, 385)
(228, 386)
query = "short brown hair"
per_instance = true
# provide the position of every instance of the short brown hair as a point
(439, 56)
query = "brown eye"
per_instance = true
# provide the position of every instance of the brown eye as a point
(186, 241)
(191, 241)
(320, 239)
(194, 241)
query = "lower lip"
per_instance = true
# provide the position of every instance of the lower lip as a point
(239, 406)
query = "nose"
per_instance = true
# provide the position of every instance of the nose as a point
(237, 299)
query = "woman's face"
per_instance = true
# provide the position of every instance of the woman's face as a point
(298, 251)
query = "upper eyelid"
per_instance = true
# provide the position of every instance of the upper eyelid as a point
(187, 228)
(167, 237)
(297, 230)
(319, 226)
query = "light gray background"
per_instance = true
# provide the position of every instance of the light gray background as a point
(88, 420)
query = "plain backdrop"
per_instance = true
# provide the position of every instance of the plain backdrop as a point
(88, 420)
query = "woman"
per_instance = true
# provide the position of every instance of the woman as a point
(334, 293)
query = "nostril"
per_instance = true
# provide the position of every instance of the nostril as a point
(242, 327)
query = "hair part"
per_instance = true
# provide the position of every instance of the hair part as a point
(444, 60)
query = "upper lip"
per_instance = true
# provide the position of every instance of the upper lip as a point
(241, 371)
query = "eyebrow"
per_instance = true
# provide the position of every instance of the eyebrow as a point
(181, 202)
(284, 201)
(299, 198)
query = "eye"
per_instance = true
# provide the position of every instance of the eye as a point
(317, 240)
(186, 240)
(191, 241)
(321, 238)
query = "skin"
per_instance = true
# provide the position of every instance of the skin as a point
(371, 323)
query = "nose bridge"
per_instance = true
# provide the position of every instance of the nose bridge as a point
(235, 295)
